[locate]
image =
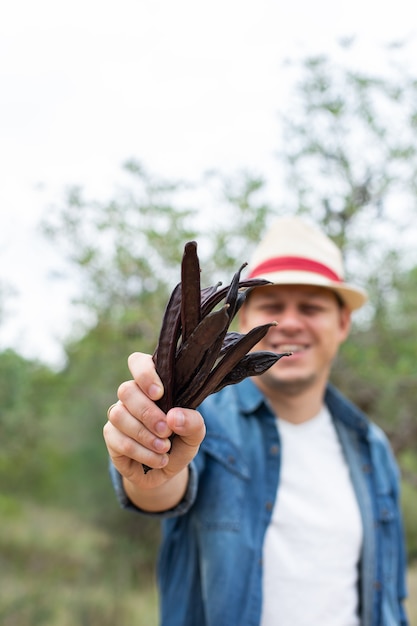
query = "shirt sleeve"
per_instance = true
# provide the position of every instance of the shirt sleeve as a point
(180, 509)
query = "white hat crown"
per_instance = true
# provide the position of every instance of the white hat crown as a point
(294, 252)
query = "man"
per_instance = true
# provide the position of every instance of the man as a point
(279, 498)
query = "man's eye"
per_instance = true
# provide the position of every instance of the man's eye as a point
(311, 308)
(270, 308)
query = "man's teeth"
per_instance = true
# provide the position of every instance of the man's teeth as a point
(288, 347)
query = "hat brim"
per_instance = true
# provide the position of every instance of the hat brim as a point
(353, 297)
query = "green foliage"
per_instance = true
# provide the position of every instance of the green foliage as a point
(23, 456)
(351, 158)
(123, 248)
(409, 502)
(377, 365)
(65, 571)
(241, 219)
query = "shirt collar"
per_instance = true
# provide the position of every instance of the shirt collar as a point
(249, 397)
(342, 409)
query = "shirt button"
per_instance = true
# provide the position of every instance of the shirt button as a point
(377, 585)
(269, 505)
(274, 450)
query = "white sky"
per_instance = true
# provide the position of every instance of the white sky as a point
(182, 85)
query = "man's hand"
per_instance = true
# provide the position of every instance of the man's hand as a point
(138, 433)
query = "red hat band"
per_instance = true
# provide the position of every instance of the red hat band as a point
(299, 264)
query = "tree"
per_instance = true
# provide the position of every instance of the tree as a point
(351, 161)
(25, 457)
(127, 251)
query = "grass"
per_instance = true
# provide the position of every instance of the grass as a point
(58, 570)
(412, 593)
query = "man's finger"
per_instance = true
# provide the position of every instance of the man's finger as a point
(144, 374)
(189, 428)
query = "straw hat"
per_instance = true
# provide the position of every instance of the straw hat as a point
(295, 253)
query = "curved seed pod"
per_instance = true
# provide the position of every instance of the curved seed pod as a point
(240, 348)
(252, 364)
(198, 381)
(202, 387)
(164, 355)
(191, 293)
(229, 341)
(193, 351)
(241, 297)
(232, 357)
(212, 300)
(233, 291)
(208, 292)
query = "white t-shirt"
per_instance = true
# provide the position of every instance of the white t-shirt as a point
(313, 543)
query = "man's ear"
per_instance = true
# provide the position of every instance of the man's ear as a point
(345, 322)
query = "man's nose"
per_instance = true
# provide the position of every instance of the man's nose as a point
(289, 320)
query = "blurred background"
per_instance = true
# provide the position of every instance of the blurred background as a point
(127, 129)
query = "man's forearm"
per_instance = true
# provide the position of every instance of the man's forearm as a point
(159, 499)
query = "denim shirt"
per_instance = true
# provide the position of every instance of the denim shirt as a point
(210, 562)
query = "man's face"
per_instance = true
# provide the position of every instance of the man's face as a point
(311, 325)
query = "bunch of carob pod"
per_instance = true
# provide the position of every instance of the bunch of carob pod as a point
(196, 354)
